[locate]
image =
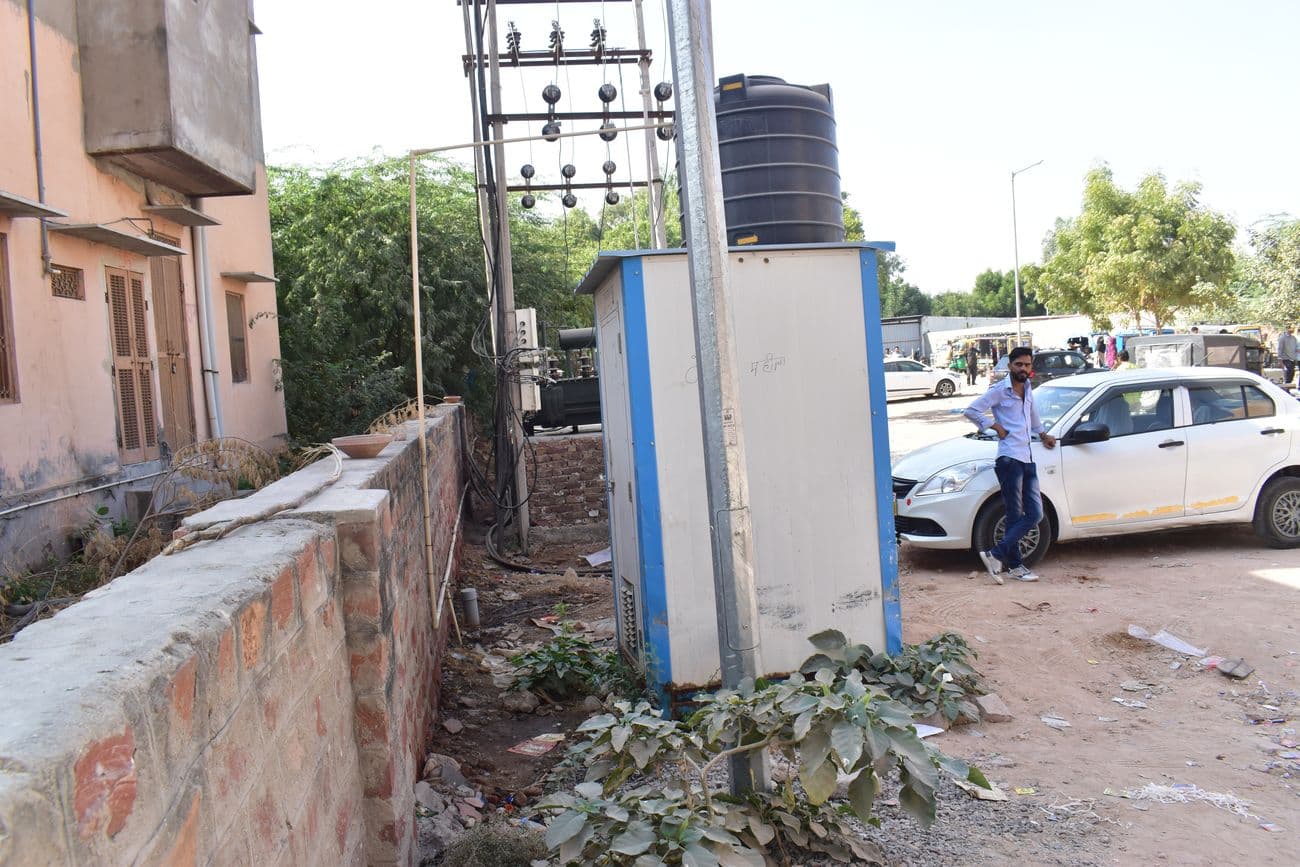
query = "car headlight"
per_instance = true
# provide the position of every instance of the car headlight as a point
(952, 480)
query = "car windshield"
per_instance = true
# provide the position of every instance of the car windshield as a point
(1053, 401)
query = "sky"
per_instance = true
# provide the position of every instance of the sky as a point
(936, 102)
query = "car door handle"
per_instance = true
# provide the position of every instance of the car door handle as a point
(1169, 444)
(1269, 431)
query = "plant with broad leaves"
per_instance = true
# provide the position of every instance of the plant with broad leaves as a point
(569, 664)
(932, 677)
(645, 827)
(620, 744)
(780, 818)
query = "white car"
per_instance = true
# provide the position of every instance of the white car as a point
(907, 378)
(1138, 450)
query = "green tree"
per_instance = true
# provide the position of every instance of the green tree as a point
(1150, 251)
(953, 303)
(342, 253)
(994, 293)
(1268, 284)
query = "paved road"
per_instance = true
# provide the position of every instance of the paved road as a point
(919, 421)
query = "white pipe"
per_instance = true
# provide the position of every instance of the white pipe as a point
(207, 337)
(451, 558)
(26, 506)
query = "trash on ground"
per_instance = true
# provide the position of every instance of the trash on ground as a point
(1131, 703)
(1167, 640)
(1209, 662)
(1107, 719)
(1094, 662)
(1055, 722)
(1026, 790)
(600, 558)
(537, 746)
(993, 793)
(1269, 826)
(1186, 793)
(924, 731)
(1135, 686)
(1238, 668)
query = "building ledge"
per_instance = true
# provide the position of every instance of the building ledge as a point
(100, 234)
(181, 215)
(13, 205)
(249, 277)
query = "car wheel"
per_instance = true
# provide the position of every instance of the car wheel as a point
(1277, 515)
(945, 388)
(991, 526)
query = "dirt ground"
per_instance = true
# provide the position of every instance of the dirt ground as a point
(1058, 648)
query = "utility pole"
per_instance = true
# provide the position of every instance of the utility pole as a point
(731, 537)
(654, 183)
(505, 290)
(1015, 243)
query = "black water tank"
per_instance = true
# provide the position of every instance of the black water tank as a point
(780, 165)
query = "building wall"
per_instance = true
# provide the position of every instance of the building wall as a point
(257, 699)
(62, 435)
(566, 484)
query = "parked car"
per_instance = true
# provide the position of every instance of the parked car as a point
(1138, 450)
(907, 378)
(1049, 364)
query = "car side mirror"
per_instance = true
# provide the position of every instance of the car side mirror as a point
(1088, 432)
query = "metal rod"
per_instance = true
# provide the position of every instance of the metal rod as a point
(419, 152)
(654, 190)
(25, 506)
(46, 259)
(731, 538)
(582, 115)
(542, 188)
(480, 182)
(1015, 243)
(417, 328)
(574, 57)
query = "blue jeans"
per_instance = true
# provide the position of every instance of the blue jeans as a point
(1024, 506)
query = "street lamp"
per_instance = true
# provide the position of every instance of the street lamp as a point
(1015, 243)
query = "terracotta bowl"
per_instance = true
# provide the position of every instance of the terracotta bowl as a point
(362, 445)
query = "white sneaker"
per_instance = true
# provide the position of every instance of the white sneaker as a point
(993, 564)
(1022, 573)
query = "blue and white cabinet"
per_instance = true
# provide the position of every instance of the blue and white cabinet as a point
(808, 340)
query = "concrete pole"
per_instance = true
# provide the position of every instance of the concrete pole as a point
(505, 296)
(654, 188)
(724, 444)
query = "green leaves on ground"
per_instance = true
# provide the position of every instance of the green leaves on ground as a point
(569, 665)
(830, 726)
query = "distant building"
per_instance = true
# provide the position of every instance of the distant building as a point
(137, 300)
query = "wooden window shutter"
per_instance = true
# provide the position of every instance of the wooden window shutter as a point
(8, 365)
(132, 369)
(237, 330)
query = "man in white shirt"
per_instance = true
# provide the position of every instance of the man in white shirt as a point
(1015, 420)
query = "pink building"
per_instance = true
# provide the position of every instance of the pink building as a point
(137, 297)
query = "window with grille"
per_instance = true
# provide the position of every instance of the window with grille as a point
(237, 327)
(68, 282)
(132, 367)
(8, 368)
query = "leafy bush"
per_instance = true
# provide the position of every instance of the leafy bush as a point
(931, 677)
(831, 724)
(569, 664)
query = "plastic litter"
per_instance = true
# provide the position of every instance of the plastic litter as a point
(599, 558)
(1186, 793)
(1055, 722)
(537, 746)
(980, 793)
(1167, 640)
(924, 731)
(1131, 703)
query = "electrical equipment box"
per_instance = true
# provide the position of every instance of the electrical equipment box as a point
(527, 358)
(812, 396)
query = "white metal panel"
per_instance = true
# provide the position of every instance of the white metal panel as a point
(617, 432)
(802, 351)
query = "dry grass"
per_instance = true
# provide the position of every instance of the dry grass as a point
(495, 845)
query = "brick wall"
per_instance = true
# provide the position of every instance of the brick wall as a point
(567, 487)
(258, 699)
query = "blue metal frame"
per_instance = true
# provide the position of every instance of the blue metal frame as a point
(654, 588)
(880, 452)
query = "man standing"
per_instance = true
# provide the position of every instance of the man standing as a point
(1286, 350)
(972, 363)
(1015, 419)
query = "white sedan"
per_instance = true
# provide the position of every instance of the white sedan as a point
(907, 378)
(1138, 450)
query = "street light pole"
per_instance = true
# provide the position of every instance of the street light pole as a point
(1015, 243)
